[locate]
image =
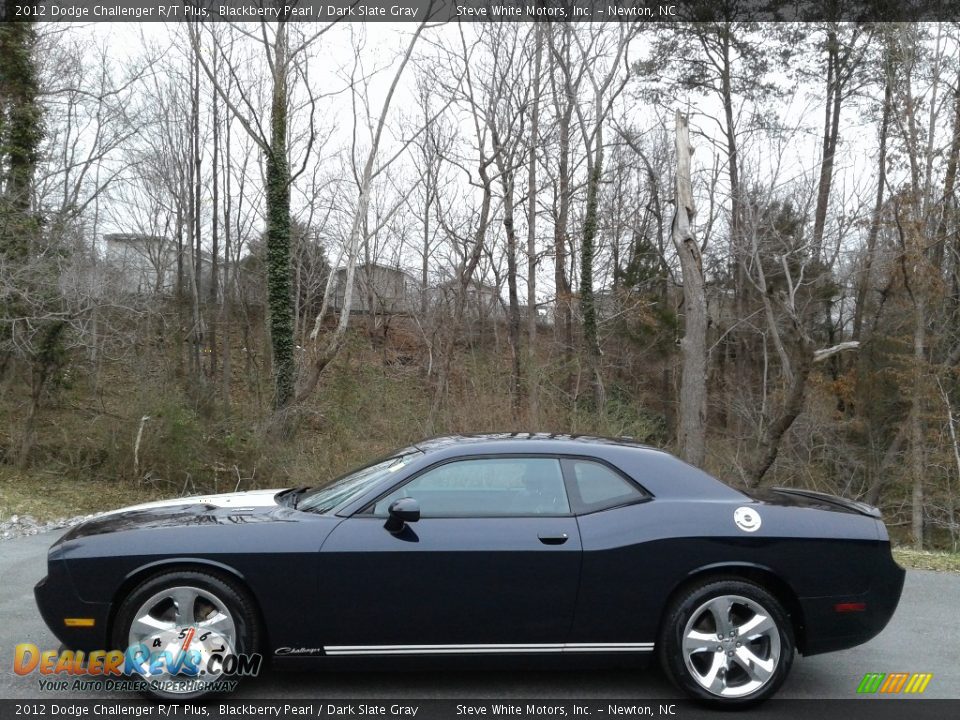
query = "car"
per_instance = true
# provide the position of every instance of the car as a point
(501, 546)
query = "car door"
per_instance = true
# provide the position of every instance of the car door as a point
(491, 566)
(621, 596)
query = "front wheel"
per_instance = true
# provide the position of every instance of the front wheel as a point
(728, 642)
(179, 628)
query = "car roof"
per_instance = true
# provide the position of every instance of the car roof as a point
(561, 442)
(661, 473)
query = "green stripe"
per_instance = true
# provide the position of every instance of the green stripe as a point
(871, 682)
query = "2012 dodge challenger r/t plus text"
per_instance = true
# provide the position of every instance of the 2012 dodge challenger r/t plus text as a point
(494, 546)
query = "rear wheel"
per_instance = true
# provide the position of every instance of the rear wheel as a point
(173, 624)
(728, 642)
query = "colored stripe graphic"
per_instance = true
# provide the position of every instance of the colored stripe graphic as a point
(894, 683)
(918, 682)
(871, 682)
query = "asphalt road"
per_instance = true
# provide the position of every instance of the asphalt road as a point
(924, 636)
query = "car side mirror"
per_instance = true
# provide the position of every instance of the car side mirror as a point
(402, 511)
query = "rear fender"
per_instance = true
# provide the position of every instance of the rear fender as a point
(756, 573)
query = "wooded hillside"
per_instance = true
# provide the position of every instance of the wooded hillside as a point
(254, 255)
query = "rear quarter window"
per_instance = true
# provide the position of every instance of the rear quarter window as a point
(596, 486)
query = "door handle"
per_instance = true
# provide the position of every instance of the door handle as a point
(548, 539)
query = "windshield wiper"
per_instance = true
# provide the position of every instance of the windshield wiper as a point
(293, 494)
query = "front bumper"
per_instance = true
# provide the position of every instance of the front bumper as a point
(58, 601)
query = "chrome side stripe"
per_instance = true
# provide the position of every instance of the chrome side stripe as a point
(485, 648)
(608, 647)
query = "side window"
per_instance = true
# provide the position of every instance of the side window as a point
(596, 487)
(486, 487)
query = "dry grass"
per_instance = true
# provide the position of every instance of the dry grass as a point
(47, 496)
(926, 560)
(86, 457)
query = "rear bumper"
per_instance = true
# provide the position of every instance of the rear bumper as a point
(828, 627)
(57, 600)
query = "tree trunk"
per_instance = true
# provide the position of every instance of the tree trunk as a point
(21, 123)
(533, 388)
(948, 211)
(513, 319)
(693, 346)
(178, 293)
(425, 260)
(769, 445)
(48, 359)
(873, 233)
(228, 287)
(831, 131)
(563, 311)
(197, 332)
(214, 241)
(917, 469)
(588, 308)
(737, 249)
(465, 277)
(280, 302)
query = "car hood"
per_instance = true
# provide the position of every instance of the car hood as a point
(248, 498)
(233, 508)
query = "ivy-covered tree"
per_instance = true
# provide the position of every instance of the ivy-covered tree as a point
(21, 131)
(30, 287)
(273, 143)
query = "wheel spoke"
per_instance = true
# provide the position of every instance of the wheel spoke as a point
(185, 599)
(147, 625)
(220, 623)
(696, 641)
(757, 668)
(719, 608)
(757, 626)
(714, 680)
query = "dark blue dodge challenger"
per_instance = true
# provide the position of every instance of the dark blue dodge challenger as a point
(495, 546)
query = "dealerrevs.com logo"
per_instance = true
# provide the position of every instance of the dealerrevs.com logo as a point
(898, 683)
(189, 661)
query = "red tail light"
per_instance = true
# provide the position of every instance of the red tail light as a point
(850, 607)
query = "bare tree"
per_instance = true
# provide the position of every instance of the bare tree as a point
(565, 81)
(536, 82)
(693, 388)
(606, 88)
(322, 354)
(504, 112)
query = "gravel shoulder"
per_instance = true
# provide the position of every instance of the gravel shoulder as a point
(17, 526)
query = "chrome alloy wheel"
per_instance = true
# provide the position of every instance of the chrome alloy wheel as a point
(731, 646)
(181, 616)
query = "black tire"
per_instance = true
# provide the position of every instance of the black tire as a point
(233, 597)
(721, 663)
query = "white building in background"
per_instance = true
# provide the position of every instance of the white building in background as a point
(141, 264)
(482, 301)
(379, 289)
